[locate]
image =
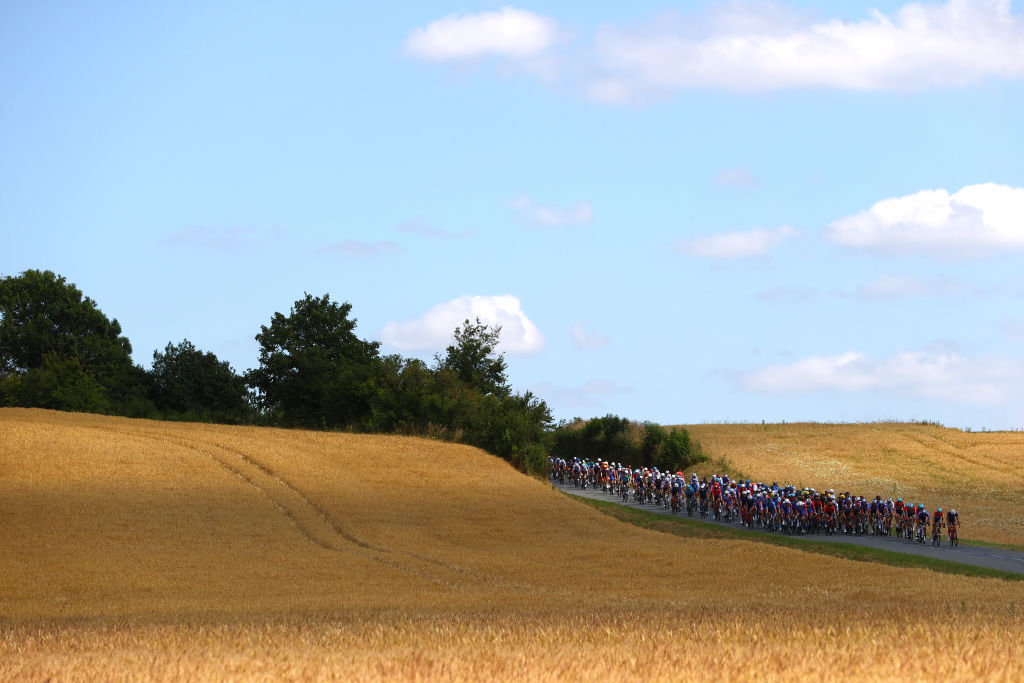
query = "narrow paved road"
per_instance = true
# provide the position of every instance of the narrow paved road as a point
(993, 558)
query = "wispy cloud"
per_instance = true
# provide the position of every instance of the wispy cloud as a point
(747, 47)
(550, 216)
(737, 177)
(888, 286)
(579, 399)
(736, 245)
(433, 330)
(1012, 329)
(788, 294)
(974, 220)
(227, 239)
(930, 373)
(585, 339)
(360, 248)
(418, 227)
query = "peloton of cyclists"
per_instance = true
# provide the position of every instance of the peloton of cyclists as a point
(786, 509)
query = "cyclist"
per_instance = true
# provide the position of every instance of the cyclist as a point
(690, 492)
(786, 511)
(922, 522)
(937, 526)
(952, 526)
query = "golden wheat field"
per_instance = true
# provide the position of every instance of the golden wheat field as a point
(137, 550)
(980, 474)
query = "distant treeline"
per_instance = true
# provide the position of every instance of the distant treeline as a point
(59, 351)
(616, 439)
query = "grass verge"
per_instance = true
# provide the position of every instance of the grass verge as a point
(967, 540)
(692, 528)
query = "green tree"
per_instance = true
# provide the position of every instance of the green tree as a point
(403, 389)
(473, 358)
(652, 443)
(191, 384)
(60, 384)
(314, 371)
(620, 440)
(514, 427)
(678, 452)
(50, 331)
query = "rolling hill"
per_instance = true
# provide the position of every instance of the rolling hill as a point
(146, 549)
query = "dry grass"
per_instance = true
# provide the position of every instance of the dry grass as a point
(665, 645)
(981, 475)
(137, 549)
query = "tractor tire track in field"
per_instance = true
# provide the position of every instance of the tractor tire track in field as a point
(398, 559)
(311, 521)
(326, 517)
(979, 556)
(316, 526)
(337, 528)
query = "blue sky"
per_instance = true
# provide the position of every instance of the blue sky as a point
(735, 211)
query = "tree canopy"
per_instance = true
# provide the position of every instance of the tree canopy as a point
(41, 313)
(473, 357)
(191, 384)
(58, 350)
(314, 371)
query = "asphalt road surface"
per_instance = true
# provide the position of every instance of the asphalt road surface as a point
(993, 558)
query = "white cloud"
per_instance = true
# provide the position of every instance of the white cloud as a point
(507, 32)
(583, 339)
(755, 46)
(433, 330)
(551, 216)
(360, 248)
(736, 245)
(930, 373)
(976, 218)
(737, 177)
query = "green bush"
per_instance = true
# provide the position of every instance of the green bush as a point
(616, 439)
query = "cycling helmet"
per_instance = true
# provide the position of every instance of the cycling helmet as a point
(952, 512)
(939, 510)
